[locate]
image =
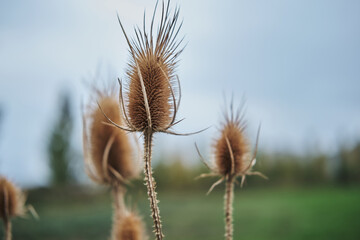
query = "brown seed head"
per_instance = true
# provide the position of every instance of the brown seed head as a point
(11, 200)
(232, 133)
(109, 149)
(155, 75)
(129, 227)
(151, 74)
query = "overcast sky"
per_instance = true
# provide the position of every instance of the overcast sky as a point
(297, 63)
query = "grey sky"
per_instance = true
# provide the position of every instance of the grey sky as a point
(297, 62)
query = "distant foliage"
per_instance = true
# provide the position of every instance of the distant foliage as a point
(286, 169)
(59, 148)
(283, 169)
(348, 169)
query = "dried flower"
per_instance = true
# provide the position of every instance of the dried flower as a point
(231, 144)
(128, 227)
(107, 149)
(232, 151)
(233, 158)
(150, 104)
(151, 101)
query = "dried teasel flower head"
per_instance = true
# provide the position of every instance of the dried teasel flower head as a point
(232, 150)
(12, 200)
(129, 227)
(107, 150)
(150, 101)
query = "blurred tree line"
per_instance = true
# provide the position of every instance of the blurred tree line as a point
(283, 169)
(348, 169)
(59, 147)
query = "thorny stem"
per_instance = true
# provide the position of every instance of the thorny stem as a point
(7, 225)
(229, 197)
(150, 183)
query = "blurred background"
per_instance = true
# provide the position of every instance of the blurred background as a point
(297, 64)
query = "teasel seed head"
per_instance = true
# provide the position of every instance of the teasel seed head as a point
(232, 151)
(232, 144)
(107, 150)
(12, 200)
(155, 75)
(153, 89)
(129, 227)
(153, 94)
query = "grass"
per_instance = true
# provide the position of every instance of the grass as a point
(331, 213)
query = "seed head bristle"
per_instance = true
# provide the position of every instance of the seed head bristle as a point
(129, 227)
(232, 133)
(11, 200)
(151, 73)
(109, 150)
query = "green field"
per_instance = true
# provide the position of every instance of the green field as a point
(331, 213)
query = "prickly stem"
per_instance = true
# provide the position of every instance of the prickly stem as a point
(229, 196)
(150, 183)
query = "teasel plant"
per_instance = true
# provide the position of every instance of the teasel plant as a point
(152, 98)
(12, 204)
(232, 159)
(128, 226)
(108, 154)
